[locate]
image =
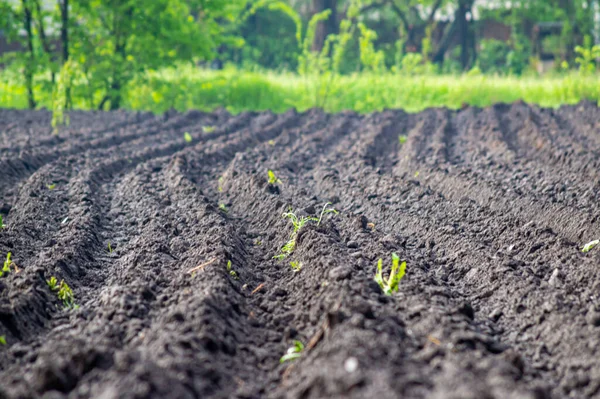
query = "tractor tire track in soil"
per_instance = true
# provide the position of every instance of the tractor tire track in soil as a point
(489, 208)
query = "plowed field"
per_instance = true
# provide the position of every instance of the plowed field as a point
(488, 207)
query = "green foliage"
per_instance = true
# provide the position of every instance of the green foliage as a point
(7, 263)
(272, 178)
(2, 225)
(297, 266)
(293, 353)
(110, 249)
(2, 340)
(187, 137)
(223, 208)
(492, 57)
(402, 139)
(51, 186)
(587, 56)
(208, 129)
(370, 59)
(397, 273)
(52, 283)
(231, 272)
(297, 224)
(63, 292)
(590, 245)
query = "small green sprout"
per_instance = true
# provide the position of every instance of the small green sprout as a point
(257, 243)
(52, 283)
(208, 129)
(110, 250)
(298, 223)
(2, 340)
(325, 211)
(51, 186)
(223, 208)
(188, 137)
(402, 139)
(271, 142)
(220, 188)
(7, 263)
(293, 352)
(272, 178)
(2, 225)
(296, 265)
(63, 292)
(417, 174)
(590, 245)
(398, 271)
(231, 272)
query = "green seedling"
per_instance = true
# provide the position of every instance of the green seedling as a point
(296, 265)
(223, 208)
(2, 340)
(7, 264)
(63, 292)
(398, 270)
(590, 245)
(326, 211)
(417, 174)
(52, 283)
(220, 187)
(272, 178)
(402, 139)
(51, 186)
(298, 223)
(110, 250)
(293, 352)
(271, 142)
(231, 272)
(2, 225)
(257, 243)
(188, 137)
(208, 129)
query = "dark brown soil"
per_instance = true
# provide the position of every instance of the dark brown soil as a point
(489, 208)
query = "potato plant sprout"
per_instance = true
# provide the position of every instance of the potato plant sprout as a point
(398, 270)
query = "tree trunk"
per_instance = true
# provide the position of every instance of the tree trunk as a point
(30, 65)
(64, 37)
(44, 38)
(327, 27)
(463, 32)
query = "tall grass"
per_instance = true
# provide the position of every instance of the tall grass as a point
(187, 87)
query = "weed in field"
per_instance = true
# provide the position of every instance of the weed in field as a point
(297, 266)
(271, 142)
(272, 178)
(293, 352)
(110, 249)
(2, 340)
(402, 139)
(257, 243)
(51, 186)
(398, 270)
(231, 272)
(187, 137)
(208, 129)
(2, 225)
(223, 208)
(417, 174)
(590, 245)
(7, 263)
(63, 292)
(220, 186)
